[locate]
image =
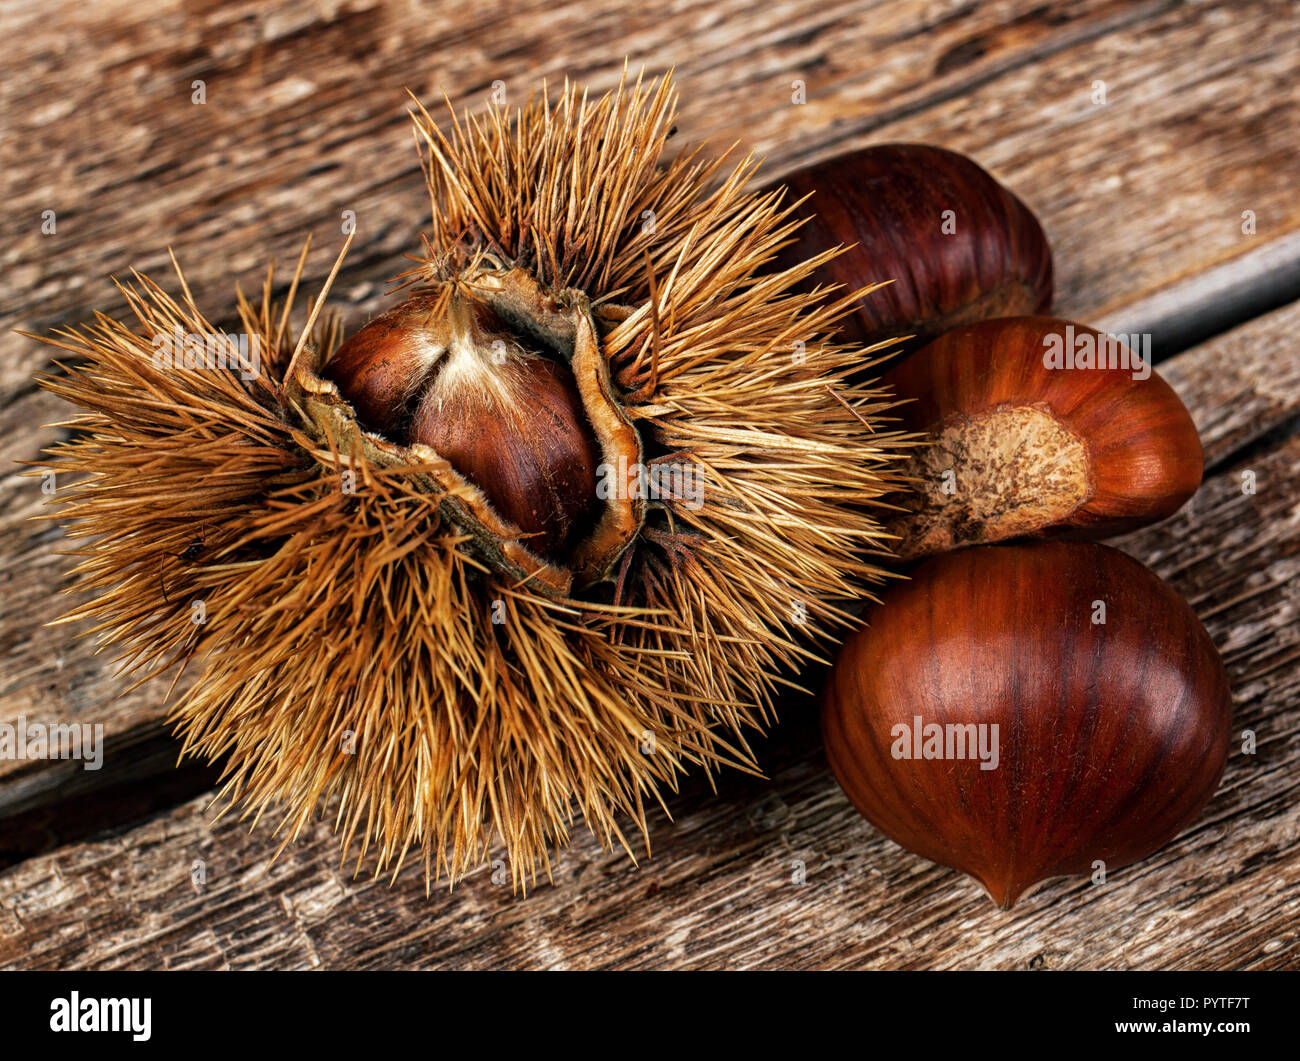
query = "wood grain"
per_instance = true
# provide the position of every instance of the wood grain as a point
(1142, 198)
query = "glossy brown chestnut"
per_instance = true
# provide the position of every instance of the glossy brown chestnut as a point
(958, 246)
(450, 375)
(1111, 735)
(1030, 435)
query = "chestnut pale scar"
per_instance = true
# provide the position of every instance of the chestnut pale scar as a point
(992, 476)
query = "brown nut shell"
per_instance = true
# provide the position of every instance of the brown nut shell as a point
(1111, 738)
(957, 245)
(1018, 446)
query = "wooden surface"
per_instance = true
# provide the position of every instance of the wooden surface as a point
(1142, 198)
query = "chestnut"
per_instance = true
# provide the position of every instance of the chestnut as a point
(450, 374)
(958, 246)
(1037, 427)
(1025, 712)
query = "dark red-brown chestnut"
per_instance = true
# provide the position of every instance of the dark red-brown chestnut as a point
(958, 246)
(449, 374)
(1038, 427)
(1025, 712)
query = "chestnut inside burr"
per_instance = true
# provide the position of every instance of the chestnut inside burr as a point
(449, 374)
(990, 477)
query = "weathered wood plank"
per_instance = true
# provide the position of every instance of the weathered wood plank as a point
(719, 891)
(50, 803)
(1243, 384)
(1142, 198)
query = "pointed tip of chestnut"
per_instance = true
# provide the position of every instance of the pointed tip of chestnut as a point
(1009, 887)
(956, 244)
(1004, 895)
(1038, 427)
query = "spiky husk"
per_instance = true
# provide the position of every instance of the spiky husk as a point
(353, 647)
